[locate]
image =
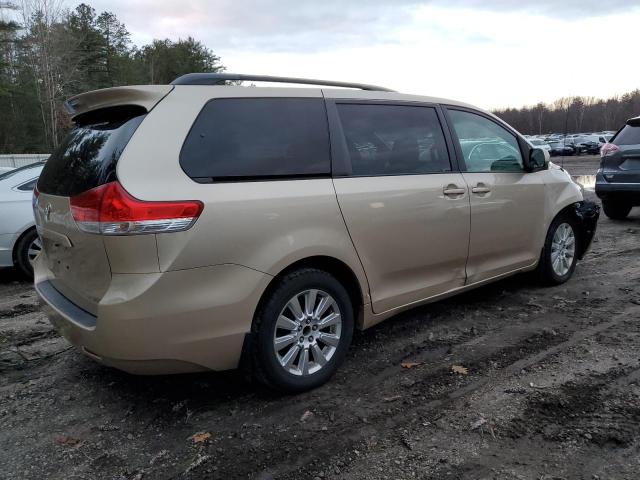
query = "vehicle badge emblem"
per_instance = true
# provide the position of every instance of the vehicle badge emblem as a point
(47, 212)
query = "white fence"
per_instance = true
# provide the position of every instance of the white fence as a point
(19, 160)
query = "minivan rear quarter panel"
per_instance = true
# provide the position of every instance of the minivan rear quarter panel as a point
(295, 219)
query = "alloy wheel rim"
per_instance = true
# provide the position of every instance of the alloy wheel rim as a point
(34, 250)
(307, 332)
(563, 249)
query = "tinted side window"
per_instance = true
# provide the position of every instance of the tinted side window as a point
(393, 139)
(486, 146)
(237, 138)
(628, 136)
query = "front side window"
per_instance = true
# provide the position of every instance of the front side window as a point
(486, 146)
(393, 139)
(236, 138)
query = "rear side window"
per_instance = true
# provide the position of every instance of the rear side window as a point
(241, 138)
(88, 156)
(629, 135)
(29, 186)
(393, 139)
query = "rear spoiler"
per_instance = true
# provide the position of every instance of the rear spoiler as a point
(146, 96)
(634, 122)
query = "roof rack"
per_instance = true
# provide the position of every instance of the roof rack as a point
(221, 78)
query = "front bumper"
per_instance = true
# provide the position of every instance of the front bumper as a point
(161, 323)
(587, 214)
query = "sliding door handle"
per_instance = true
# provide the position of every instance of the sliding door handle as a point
(453, 191)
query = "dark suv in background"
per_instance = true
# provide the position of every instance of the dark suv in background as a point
(618, 178)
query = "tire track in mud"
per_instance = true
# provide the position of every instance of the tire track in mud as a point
(437, 389)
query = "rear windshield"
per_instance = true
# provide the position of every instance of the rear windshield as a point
(88, 156)
(254, 138)
(628, 136)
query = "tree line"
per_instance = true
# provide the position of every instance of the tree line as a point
(573, 115)
(49, 53)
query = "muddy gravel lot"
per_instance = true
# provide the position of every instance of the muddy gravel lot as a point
(510, 381)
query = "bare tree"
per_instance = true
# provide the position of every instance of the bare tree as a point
(52, 58)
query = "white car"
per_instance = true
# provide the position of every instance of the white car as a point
(19, 242)
(537, 143)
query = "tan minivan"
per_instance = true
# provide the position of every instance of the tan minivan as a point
(202, 225)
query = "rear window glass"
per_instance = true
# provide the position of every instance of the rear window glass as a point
(239, 138)
(88, 156)
(628, 136)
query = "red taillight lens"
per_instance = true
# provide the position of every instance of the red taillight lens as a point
(608, 149)
(34, 198)
(109, 209)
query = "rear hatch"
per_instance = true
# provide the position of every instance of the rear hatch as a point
(86, 159)
(621, 158)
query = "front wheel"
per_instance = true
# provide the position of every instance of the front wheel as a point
(302, 331)
(615, 210)
(559, 255)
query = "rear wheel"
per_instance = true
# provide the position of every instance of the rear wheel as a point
(302, 331)
(559, 255)
(615, 210)
(27, 249)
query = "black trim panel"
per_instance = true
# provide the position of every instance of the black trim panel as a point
(587, 213)
(65, 306)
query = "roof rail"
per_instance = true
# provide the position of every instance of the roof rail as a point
(221, 78)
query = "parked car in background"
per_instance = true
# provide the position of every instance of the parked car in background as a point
(19, 242)
(560, 148)
(541, 144)
(587, 144)
(618, 178)
(200, 226)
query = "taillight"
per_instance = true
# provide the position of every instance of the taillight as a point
(608, 149)
(110, 210)
(34, 198)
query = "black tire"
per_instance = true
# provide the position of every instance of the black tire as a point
(615, 210)
(22, 253)
(546, 272)
(265, 366)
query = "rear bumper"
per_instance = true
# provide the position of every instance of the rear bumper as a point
(161, 323)
(628, 192)
(587, 214)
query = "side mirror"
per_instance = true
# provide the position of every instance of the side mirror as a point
(538, 160)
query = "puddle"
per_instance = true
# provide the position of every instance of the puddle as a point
(587, 181)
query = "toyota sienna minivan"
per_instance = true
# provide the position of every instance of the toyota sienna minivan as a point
(204, 226)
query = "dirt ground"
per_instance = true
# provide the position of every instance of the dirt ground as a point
(549, 389)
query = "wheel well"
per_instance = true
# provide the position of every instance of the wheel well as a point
(340, 270)
(14, 253)
(570, 211)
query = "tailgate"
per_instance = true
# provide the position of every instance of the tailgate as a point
(76, 254)
(77, 260)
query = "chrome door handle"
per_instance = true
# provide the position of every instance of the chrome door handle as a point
(480, 189)
(452, 191)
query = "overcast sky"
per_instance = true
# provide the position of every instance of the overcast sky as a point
(492, 53)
